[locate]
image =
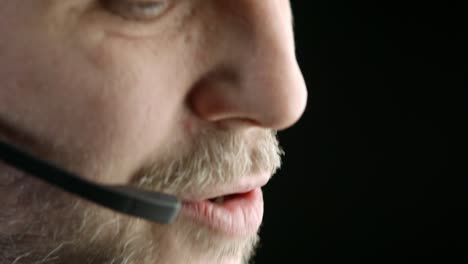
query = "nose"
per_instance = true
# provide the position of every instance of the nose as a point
(257, 80)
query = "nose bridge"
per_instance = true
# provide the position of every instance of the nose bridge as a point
(267, 24)
(271, 22)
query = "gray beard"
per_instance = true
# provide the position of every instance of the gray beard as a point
(43, 225)
(85, 234)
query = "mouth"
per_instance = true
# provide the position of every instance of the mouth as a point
(226, 198)
(234, 213)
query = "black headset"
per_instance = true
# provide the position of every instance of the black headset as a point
(153, 206)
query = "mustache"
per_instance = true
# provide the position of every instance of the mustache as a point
(215, 158)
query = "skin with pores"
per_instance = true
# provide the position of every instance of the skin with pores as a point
(175, 96)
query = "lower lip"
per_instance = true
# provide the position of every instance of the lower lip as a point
(238, 216)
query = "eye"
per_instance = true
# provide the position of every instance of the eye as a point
(139, 10)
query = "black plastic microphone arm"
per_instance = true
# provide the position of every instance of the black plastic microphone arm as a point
(153, 206)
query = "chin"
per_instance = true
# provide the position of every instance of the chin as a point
(188, 242)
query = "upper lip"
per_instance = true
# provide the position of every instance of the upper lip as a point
(243, 185)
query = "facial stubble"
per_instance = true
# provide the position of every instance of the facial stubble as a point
(68, 230)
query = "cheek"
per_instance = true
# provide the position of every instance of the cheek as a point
(95, 101)
(137, 92)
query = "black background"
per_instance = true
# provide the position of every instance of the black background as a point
(376, 169)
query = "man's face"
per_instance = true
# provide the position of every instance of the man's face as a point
(179, 96)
